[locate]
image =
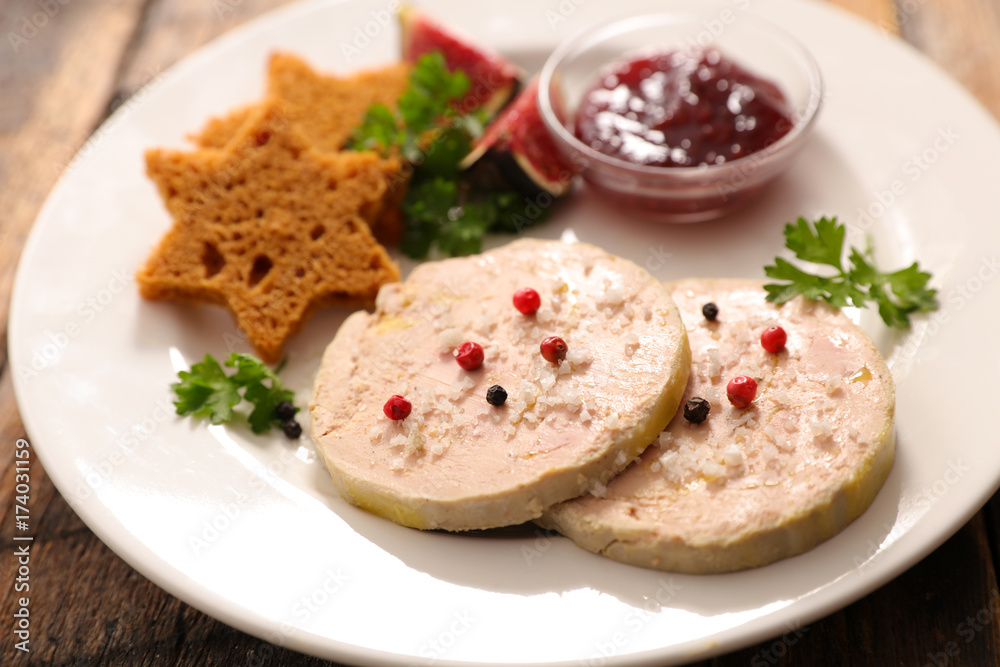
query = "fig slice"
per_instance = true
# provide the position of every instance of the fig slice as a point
(494, 79)
(518, 142)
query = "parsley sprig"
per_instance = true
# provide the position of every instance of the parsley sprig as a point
(206, 391)
(898, 294)
(426, 104)
(444, 208)
(453, 216)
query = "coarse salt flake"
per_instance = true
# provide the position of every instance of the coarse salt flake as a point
(821, 429)
(712, 395)
(733, 455)
(712, 470)
(745, 417)
(450, 338)
(486, 321)
(714, 364)
(615, 296)
(415, 441)
(631, 343)
(455, 390)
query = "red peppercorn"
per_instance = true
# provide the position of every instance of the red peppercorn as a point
(469, 356)
(554, 349)
(741, 391)
(397, 408)
(773, 339)
(527, 301)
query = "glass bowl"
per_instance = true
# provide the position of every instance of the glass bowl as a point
(680, 193)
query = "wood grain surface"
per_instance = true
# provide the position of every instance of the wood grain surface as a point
(60, 80)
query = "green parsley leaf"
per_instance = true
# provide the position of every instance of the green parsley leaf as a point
(378, 131)
(445, 208)
(426, 206)
(426, 104)
(825, 246)
(453, 216)
(463, 233)
(206, 391)
(898, 295)
(515, 213)
(265, 400)
(446, 150)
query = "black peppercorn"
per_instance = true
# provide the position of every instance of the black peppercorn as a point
(496, 395)
(710, 311)
(292, 429)
(696, 410)
(284, 411)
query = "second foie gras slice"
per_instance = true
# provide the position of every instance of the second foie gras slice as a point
(457, 462)
(750, 486)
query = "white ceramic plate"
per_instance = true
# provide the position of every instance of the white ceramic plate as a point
(251, 531)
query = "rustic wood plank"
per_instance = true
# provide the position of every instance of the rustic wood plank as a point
(963, 37)
(48, 57)
(882, 13)
(40, 129)
(926, 616)
(171, 30)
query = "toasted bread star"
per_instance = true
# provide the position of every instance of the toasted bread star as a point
(325, 110)
(268, 227)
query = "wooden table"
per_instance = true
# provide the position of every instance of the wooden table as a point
(89, 607)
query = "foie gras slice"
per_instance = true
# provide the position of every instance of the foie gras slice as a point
(750, 486)
(457, 462)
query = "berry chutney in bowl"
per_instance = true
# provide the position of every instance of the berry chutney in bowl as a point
(681, 116)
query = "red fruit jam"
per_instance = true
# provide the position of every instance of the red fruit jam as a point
(681, 109)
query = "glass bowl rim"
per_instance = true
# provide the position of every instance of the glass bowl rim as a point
(804, 121)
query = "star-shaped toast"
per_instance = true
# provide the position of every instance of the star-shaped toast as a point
(268, 227)
(325, 110)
